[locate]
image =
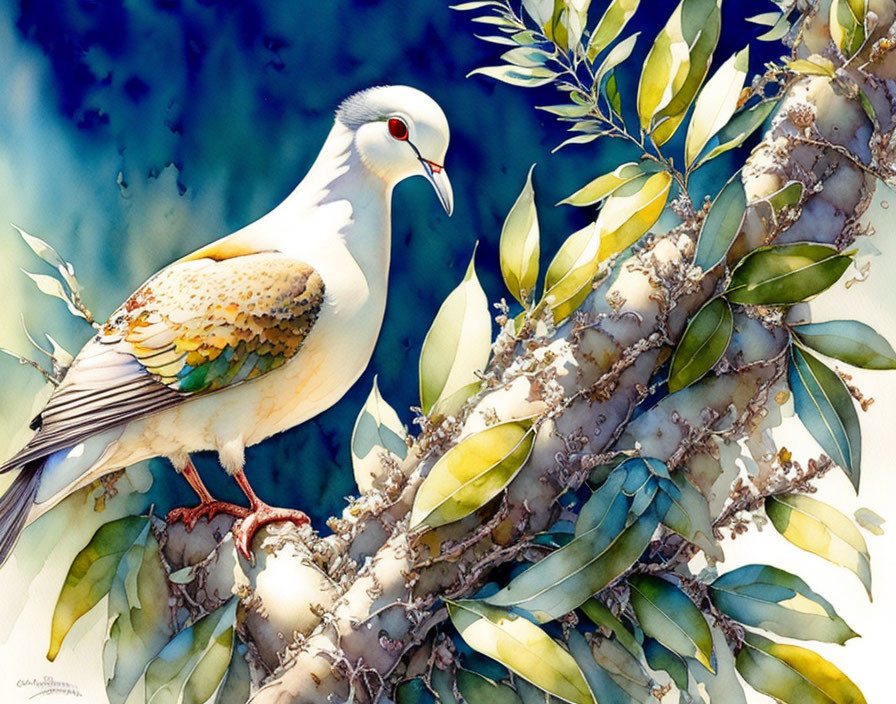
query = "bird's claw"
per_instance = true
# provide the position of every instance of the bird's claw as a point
(208, 510)
(244, 530)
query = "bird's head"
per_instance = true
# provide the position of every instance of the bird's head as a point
(400, 132)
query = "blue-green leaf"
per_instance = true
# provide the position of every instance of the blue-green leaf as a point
(778, 601)
(722, 224)
(825, 407)
(667, 614)
(849, 341)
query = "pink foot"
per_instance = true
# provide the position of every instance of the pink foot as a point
(245, 529)
(207, 509)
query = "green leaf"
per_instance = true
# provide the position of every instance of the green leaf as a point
(377, 430)
(517, 75)
(688, 515)
(778, 30)
(847, 24)
(723, 685)
(601, 616)
(571, 272)
(610, 26)
(630, 212)
(526, 56)
(140, 617)
(572, 110)
(702, 344)
(522, 647)
(667, 614)
(780, 602)
(519, 245)
(458, 343)
(785, 274)
(659, 657)
(603, 687)
(611, 90)
(821, 529)
(472, 473)
(238, 682)
(716, 104)
(603, 186)
(664, 70)
(815, 65)
(568, 577)
(739, 128)
(414, 691)
(450, 405)
(90, 576)
(701, 26)
(477, 689)
(192, 667)
(787, 196)
(825, 406)
(794, 675)
(617, 55)
(849, 341)
(722, 224)
(766, 19)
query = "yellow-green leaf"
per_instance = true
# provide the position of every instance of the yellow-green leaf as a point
(611, 24)
(519, 245)
(472, 473)
(702, 344)
(701, 25)
(716, 104)
(665, 69)
(667, 614)
(603, 186)
(458, 343)
(785, 274)
(825, 406)
(815, 65)
(630, 212)
(522, 647)
(617, 55)
(821, 529)
(91, 574)
(794, 675)
(570, 274)
(377, 430)
(847, 24)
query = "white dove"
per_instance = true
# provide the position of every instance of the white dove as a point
(246, 337)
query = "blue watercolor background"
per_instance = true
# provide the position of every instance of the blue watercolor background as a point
(132, 132)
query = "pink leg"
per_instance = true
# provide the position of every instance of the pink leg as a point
(259, 514)
(208, 507)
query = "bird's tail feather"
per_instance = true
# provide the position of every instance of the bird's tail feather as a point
(15, 505)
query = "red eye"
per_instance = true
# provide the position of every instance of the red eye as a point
(398, 129)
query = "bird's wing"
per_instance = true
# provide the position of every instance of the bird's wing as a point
(198, 326)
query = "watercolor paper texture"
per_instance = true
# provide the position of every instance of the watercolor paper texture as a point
(558, 405)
